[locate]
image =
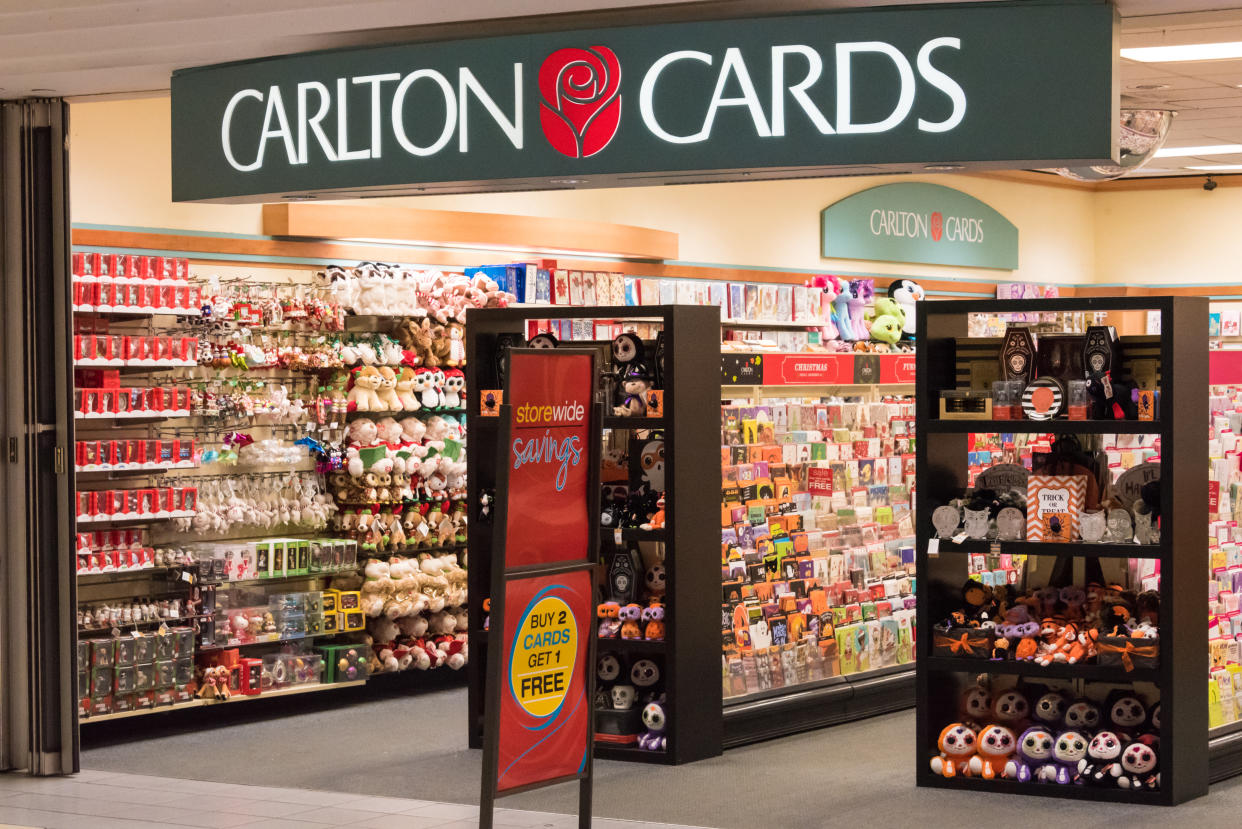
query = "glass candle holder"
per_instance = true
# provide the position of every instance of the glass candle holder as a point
(1007, 400)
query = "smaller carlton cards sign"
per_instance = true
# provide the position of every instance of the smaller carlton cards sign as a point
(550, 401)
(919, 222)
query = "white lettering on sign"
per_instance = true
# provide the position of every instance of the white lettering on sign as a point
(797, 85)
(908, 224)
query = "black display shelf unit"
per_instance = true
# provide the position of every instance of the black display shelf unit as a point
(1183, 661)
(691, 649)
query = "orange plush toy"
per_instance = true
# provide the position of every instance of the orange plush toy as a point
(653, 615)
(656, 522)
(609, 614)
(957, 749)
(630, 615)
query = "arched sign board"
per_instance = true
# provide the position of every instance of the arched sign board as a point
(919, 222)
(987, 86)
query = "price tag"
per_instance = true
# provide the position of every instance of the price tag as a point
(187, 577)
(933, 548)
(960, 537)
(616, 536)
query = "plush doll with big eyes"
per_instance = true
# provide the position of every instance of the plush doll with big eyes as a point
(996, 747)
(1140, 767)
(1126, 712)
(1050, 709)
(957, 746)
(1034, 756)
(1010, 709)
(1100, 767)
(1069, 751)
(609, 620)
(1082, 715)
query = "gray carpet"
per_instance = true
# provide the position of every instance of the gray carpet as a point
(857, 774)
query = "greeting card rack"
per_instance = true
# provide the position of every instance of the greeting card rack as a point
(688, 656)
(1181, 424)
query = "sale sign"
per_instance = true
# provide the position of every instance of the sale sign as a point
(545, 716)
(540, 678)
(550, 404)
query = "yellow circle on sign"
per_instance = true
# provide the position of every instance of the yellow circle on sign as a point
(542, 664)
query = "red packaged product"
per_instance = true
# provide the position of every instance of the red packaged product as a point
(78, 260)
(189, 349)
(151, 451)
(107, 297)
(137, 400)
(92, 264)
(168, 499)
(185, 452)
(147, 502)
(181, 268)
(156, 399)
(181, 403)
(106, 402)
(135, 454)
(84, 504)
(133, 265)
(157, 267)
(168, 452)
(167, 296)
(113, 265)
(189, 498)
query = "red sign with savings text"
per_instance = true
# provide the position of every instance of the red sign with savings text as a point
(545, 715)
(550, 404)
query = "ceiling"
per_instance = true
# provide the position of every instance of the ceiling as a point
(91, 47)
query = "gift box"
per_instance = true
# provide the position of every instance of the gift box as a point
(975, 643)
(1128, 652)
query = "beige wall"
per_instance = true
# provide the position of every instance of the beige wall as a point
(121, 176)
(1169, 237)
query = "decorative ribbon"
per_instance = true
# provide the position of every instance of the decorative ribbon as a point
(1129, 650)
(955, 645)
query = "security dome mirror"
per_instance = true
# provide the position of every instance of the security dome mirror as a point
(1143, 131)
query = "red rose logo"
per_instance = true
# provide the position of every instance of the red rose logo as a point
(937, 226)
(581, 106)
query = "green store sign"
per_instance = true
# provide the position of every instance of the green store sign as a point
(918, 222)
(986, 85)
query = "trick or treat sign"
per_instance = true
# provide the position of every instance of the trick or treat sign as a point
(545, 715)
(550, 398)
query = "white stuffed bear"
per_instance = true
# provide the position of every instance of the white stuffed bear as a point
(413, 626)
(389, 432)
(384, 630)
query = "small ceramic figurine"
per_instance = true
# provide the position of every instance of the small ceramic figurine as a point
(1010, 524)
(977, 525)
(1120, 530)
(945, 519)
(1092, 525)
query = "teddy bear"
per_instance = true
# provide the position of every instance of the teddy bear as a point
(387, 392)
(441, 345)
(405, 390)
(389, 433)
(436, 433)
(415, 526)
(414, 627)
(364, 391)
(383, 630)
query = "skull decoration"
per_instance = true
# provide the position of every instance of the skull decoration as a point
(623, 697)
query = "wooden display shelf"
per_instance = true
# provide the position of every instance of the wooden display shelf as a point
(1083, 549)
(137, 519)
(198, 703)
(1055, 427)
(1181, 360)
(1057, 670)
(129, 416)
(691, 649)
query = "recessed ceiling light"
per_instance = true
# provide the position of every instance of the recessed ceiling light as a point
(1216, 167)
(41, 89)
(1192, 51)
(567, 181)
(943, 168)
(300, 197)
(1149, 87)
(1207, 149)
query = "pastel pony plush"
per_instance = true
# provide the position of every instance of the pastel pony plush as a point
(829, 289)
(861, 292)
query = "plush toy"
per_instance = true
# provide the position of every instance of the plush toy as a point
(1101, 767)
(957, 748)
(1034, 762)
(364, 391)
(1069, 751)
(1140, 764)
(1049, 709)
(829, 289)
(454, 388)
(609, 614)
(886, 329)
(976, 705)
(1082, 715)
(405, 390)
(416, 337)
(841, 314)
(1126, 713)
(1010, 709)
(633, 389)
(457, 345)
(996, 747)
(657, 519)
(387, 392)
(860, 293)
(653, 617)
(906, 292)
(654, 718)
(424, 382)
(630, 616)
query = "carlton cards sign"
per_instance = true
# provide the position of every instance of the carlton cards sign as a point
(994, 86)
(919, 222)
